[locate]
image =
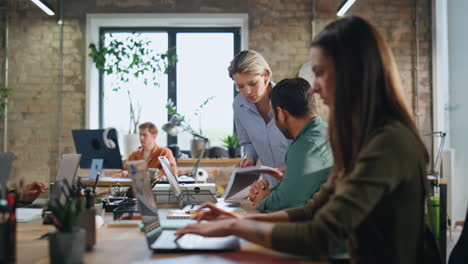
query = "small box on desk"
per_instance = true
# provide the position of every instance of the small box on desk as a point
(196, 193)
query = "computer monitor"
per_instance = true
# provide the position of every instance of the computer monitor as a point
(90, 144)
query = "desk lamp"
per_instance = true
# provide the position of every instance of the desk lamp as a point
(172, 129)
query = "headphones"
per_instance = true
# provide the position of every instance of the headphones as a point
(107, 141)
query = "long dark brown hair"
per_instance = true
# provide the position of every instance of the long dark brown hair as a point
(368, 92)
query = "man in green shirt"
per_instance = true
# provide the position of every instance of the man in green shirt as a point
(308, 159)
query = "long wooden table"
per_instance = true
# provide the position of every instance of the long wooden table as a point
(127, 244)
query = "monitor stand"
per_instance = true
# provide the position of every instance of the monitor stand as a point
(96, 168)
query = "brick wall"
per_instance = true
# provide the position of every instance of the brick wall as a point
(395, 21)
(279, 29)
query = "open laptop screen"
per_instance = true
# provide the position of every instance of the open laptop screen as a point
(166, 165)
(68, 167)
(141, 186)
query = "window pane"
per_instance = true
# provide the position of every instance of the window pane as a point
(150, 99)
(203, 59)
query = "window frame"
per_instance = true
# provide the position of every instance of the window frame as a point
(172, 44)
(95, 21)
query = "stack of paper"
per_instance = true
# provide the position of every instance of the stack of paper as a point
(28, 214)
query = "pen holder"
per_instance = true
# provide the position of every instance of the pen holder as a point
(8, 229)
(87, 221)
(67, 247)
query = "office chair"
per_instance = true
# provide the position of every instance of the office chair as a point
(459, 253)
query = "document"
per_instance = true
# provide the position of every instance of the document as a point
(242, 178)
(28, 214)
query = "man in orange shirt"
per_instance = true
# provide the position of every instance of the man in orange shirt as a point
(149, 151)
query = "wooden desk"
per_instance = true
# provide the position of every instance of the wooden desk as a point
(127, 244)
(207, 162)
(106, 181)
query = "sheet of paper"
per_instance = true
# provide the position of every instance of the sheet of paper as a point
(28, 214)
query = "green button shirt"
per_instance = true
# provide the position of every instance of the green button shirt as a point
(308, 164)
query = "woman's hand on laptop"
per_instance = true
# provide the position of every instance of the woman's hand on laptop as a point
(210, 212)
(124, 174)
(254, 231)
(220, 228)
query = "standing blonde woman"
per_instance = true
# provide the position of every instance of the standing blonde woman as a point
(256, 129)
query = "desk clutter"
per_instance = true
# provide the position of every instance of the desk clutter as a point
(71, 209)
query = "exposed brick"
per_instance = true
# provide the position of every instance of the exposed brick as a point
(280, 29)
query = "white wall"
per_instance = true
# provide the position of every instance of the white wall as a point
(457, 109)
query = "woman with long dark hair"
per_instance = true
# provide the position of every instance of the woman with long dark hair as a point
(375, 195)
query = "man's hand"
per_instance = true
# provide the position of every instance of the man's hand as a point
(277, 175)
(32, 191)
(262, 193)
(256, 187)
(246, 162)
(124, 174)
(209, 212)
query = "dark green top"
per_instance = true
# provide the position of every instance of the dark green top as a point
(379, 205)
(308, 163)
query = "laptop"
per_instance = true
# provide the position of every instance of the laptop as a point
(173, 182)
(160, 240)
(68, 167)
(188, 195)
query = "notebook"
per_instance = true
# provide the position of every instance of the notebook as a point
(180, 214)
(28, 214)
(160, 240)
(241, 179)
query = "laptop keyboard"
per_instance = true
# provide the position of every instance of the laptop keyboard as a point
(167, 241)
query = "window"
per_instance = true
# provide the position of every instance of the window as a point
(203, 56)
(150, 100)
(203, 74)
(215, 38)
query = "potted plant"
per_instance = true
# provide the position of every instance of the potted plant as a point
(196, 144)
(133, 62)
(67, 243)
(231, 143)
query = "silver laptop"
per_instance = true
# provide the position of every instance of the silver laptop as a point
(160, 240)
(172, 179)
(68, 167)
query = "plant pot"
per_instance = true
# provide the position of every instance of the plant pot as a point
(87, 221)
(131, 143)
(196, 147)
(232, 152)
(67, 247)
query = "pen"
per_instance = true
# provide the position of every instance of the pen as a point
(95, 183)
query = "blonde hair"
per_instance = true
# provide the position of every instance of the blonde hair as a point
(249, 61)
